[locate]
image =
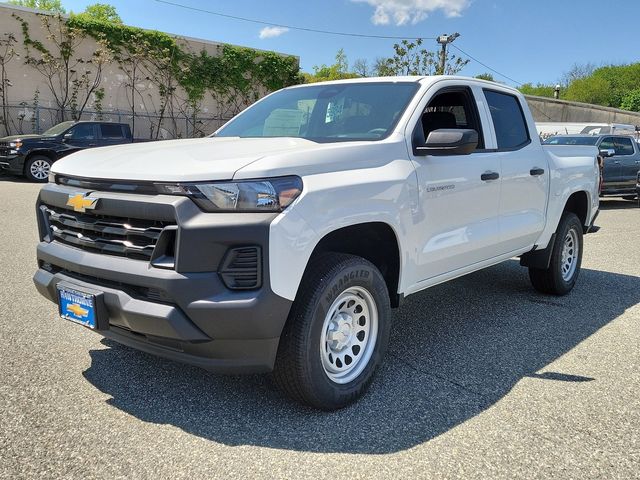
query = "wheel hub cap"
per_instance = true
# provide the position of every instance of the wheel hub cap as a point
(349, 334)
(569, 258)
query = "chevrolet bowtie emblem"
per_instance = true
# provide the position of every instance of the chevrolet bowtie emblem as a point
(80, 203)
(78, 310)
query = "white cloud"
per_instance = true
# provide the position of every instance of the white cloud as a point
(402, 12)
(270, 32)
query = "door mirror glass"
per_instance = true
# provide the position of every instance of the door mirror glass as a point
(449, 141)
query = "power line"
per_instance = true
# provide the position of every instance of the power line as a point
(519, 84)
(332, 32)
(291, 27)
(486, 66)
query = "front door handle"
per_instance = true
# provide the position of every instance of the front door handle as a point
(536, 171)
(489, 176)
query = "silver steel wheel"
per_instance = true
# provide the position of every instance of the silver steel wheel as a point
(40, 169)
(570, 255)
(349, 335)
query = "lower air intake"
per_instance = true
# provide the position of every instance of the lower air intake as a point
(242, 268)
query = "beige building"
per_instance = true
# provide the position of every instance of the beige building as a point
(31, 106)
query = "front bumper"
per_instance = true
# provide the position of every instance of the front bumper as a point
(13, 164)
(185, 313)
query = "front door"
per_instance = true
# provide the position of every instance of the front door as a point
(459, 194)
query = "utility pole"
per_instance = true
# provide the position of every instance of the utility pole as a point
(445, 40)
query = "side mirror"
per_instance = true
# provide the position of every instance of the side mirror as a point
(449, 141)
(607, 152)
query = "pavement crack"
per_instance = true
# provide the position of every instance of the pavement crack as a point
(439, 377)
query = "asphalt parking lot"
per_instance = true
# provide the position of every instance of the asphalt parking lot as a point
(484, 379)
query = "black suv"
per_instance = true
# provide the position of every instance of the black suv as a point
(32, 155)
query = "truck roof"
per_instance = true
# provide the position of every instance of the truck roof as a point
(410, 78)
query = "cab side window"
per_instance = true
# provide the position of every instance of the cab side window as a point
(452, 109)
(82, 131)
(508, 120)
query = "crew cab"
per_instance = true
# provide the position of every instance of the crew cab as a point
(282, 242)
(621, 160)
(33, 155)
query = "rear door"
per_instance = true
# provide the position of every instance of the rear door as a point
(627, 152)
(525, 172)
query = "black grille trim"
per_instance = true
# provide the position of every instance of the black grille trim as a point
(125, 237)
(241, 268)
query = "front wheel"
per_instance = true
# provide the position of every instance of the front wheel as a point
(336, 334)
(37, 168)
(566, 258)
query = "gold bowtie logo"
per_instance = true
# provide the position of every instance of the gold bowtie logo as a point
(80, 203)
(78, 310)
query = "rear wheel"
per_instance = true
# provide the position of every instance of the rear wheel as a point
(336, 334)
(566, 258)
(37, 168)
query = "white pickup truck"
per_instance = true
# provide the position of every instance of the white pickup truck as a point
(282, 242)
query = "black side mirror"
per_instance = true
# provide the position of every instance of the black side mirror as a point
(607, 152)
(449, 141)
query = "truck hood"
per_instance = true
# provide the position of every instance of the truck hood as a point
(190, 160)
(13, 138)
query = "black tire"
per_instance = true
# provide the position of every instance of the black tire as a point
(299, 369)
(551, 280)
(35, 169)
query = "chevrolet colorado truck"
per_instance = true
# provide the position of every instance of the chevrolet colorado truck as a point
(33, 155)
(282, 242)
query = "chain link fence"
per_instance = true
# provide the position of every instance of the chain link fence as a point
(26, 119)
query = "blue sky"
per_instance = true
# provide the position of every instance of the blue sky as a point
(525, 40)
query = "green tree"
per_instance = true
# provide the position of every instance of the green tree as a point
(102, 12)
(539, 90)
(594, 89)
(48, 5)
(338, 71)
(631, 101)
(486, 76)
(410, 59)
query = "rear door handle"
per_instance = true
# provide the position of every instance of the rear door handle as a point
(489, 176)
(536, 171)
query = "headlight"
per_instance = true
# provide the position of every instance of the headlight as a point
(16, 144)
(263, 195)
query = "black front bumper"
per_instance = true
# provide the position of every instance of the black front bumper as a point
(13, 164)
(186, 313)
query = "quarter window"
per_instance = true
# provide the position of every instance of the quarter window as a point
(508, 120)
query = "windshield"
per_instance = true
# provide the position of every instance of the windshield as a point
(58, 129)
(326, 113)
(567, 140)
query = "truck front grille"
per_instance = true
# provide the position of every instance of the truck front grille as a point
(126, 237)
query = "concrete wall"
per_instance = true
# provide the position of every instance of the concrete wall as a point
(552, 110)
(25, 80)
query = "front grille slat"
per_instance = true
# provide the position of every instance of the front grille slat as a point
(126, 237)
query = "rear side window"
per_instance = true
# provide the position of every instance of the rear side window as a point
(623, 146)
(508, 120)
(110, 131)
